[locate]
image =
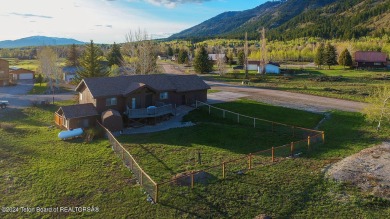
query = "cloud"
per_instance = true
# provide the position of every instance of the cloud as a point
(173, 3)
(31, 15)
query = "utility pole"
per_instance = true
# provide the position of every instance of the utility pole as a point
(246, 55)
(263, 58)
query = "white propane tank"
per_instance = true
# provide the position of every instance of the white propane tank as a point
(70, 133)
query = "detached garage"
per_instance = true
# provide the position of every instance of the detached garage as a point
(21, 74)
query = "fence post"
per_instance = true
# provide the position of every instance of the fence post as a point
(254, 122)
(192, 179)
(273, 154)
(323, 137)
(156, 194)
(292, 149)
(223, 170)
(238, 118)
(123, 154)
(308, 142)
(209, 109)
(223, 113)
(140, 178)
(250, 161)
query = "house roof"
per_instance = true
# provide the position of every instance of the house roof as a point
(17, 70)
(70, 69)
(214, 57)
(361, 56)
(78, 111)
(122, 85)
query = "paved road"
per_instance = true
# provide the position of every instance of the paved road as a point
(18, 97)
(276, 97)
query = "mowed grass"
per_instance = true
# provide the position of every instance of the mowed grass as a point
(39, 170)
(39, 88)
(342, 83)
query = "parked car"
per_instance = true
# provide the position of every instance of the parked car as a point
(3, 104)
(238, 67)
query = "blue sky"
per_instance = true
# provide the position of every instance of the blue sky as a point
(108, 21)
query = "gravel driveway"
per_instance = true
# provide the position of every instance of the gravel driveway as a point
(18, 97)
(291, 100)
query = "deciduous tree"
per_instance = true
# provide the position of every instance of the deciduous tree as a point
(140, 53)
(49, 65)
(379, 108)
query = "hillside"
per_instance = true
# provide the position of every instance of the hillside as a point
(38, 41)
(299, 18)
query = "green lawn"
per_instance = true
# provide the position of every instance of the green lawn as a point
(337, 82)
(39, 88)
(38, 170)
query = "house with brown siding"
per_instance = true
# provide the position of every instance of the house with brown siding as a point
(370, 59)
(4, 73)
(21, 74)
(142, 96)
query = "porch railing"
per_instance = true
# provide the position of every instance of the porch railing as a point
(150, 112)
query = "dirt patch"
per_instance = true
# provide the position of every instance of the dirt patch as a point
(184, 179)
(369, 170)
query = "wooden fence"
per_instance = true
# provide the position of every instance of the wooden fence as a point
(228, 168)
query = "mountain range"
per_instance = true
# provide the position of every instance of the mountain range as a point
(38, 41)
(289, 19)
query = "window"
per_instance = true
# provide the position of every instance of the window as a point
(111, 101)
(377, 63)
(81, 96)
(163, 95)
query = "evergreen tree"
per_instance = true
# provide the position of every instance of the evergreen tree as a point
(182, 56)
(345, 58)
(330, 55)
(319, 58)
(90, 64)
(241, 57)
(73, 56)
(230, 58)
(202, 63)
(170, 51)
(115, 56)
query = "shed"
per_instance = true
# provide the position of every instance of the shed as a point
(112, 120)
(76, 116)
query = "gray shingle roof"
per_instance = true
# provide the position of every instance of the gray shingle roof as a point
(113, 86)
(79, 110)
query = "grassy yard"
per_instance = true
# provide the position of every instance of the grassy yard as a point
(337, 82)
(38, 170)
(39, 88)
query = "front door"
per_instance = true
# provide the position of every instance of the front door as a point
(148, 100)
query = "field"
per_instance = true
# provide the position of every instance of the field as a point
(38, 170)
(337, 83)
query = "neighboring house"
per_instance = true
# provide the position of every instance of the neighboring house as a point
(4, 73)
(141, 96)
(270, 68)
(21, 74)
(215, 57)
(69, 73)
(370, 59)
(76, 116)
(161, 57)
